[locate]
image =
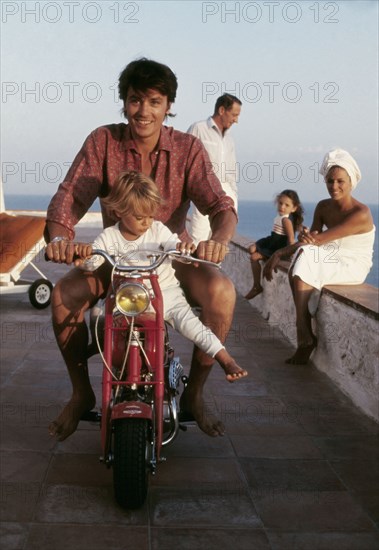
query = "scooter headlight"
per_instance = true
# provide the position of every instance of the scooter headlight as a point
(132, 299)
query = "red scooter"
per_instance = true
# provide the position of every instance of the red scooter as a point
(140, 379)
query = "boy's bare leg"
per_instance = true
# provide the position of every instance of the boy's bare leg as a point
(215, 293)
(72, 296)
(232, 370)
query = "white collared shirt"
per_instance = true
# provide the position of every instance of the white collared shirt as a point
(221, 151)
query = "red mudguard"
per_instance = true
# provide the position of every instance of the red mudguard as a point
(131, 409)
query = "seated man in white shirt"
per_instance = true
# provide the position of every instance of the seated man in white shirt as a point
(215, 136)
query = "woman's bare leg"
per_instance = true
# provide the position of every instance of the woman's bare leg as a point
(306, 340)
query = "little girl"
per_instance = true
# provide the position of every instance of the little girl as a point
(134, 199)
(286, 223)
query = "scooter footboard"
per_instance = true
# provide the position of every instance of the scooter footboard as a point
(132, 409)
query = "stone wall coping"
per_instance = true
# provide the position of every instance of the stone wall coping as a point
(90, 218)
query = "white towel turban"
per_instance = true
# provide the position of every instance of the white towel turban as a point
(344, 160)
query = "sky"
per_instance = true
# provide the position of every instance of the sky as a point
(306, 73)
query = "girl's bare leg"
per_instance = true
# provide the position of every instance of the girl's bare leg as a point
(257, 287)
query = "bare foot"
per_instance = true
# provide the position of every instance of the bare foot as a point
(254, 292)
(68, 420)
(196, 408)
(256, 256)
(302, 354)
(233, 371)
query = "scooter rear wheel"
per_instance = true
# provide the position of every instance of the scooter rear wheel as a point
(131, 462)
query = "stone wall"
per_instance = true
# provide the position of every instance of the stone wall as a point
(346, 324)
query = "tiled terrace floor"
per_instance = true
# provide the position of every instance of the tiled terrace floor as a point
(297, 468)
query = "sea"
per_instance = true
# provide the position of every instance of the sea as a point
(255, 219)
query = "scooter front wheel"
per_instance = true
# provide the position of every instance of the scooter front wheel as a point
(131, 467)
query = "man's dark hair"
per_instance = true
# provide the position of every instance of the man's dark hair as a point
(226, 101)
(144, 74)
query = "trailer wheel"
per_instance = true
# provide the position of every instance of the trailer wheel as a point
(40, 293)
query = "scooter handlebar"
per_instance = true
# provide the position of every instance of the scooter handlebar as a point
(158, 258)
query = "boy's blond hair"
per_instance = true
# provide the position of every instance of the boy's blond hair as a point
(133, 192)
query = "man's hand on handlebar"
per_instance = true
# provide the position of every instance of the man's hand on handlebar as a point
(211, 250)
(68, 252)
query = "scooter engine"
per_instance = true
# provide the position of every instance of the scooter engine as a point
(175, 372)
(170, 409)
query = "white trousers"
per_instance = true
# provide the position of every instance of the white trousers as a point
(178, 313)
(200, 226)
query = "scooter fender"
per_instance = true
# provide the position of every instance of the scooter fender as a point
(131, 409)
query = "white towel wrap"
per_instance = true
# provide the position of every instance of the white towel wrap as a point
(343, 159)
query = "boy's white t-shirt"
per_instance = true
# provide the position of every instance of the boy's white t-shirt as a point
(157, 237)
(177, 311)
